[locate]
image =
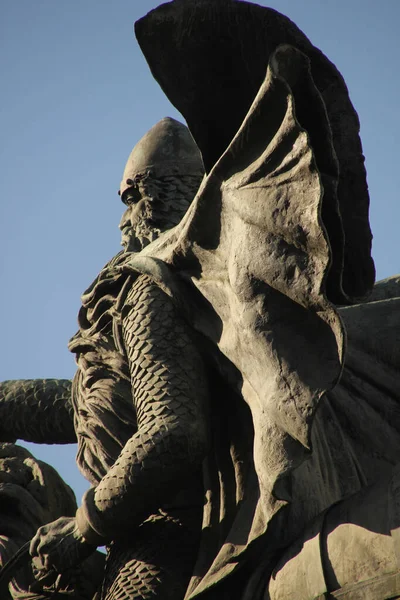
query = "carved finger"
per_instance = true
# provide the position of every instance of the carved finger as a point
(44, 577)
(33, 548)
(42, 565)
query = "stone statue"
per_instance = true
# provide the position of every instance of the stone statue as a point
(138, 400)
(233, 441)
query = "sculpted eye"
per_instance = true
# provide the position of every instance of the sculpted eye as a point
(131, 196)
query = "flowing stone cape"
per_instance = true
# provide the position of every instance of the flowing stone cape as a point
(277, 232)
(248, 267)
(210, 57)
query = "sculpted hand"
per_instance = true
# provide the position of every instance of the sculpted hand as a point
(56, 547)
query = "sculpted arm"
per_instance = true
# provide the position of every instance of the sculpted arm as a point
(36, 410)
(170, 395)
(169, 391)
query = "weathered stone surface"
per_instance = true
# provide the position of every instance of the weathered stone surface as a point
(214, 84)
(350, 551)
(31, 495)
(235, 445)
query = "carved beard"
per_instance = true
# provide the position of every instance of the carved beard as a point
(147, 228)
(166, 201)
(145, 232)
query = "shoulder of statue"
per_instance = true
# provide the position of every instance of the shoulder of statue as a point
(165, 277)
(101, 301)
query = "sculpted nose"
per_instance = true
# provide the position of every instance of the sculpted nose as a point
(125, 220)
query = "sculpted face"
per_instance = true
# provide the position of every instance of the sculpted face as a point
(160, 180)
(133, 202)
(140, 223)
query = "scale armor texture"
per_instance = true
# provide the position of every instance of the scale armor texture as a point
(158, 563)
(37, 410)
(158, 472)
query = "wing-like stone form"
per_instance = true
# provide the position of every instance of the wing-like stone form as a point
(254, 256)
(210, 59)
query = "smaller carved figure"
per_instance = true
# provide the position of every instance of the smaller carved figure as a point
(32, 494)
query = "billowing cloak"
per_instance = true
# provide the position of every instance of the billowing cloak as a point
(250, 266)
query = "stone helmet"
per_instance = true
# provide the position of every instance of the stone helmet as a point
(166, 149)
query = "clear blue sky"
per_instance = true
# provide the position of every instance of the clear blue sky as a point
(76, 96)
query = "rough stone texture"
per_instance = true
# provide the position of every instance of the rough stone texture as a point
(234, 444)
(350, 551)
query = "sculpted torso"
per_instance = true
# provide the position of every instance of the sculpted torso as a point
(139, 403)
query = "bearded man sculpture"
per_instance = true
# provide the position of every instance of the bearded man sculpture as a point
(233, 447)
(138, 398)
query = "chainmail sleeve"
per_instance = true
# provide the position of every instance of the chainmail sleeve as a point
(37, 410)
(170, 395)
